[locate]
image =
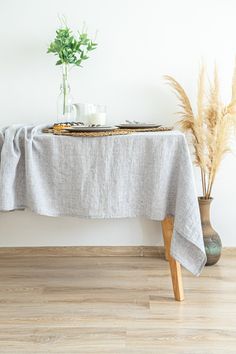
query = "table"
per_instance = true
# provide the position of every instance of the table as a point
(142, 174)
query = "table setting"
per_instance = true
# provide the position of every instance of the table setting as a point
(96, 130)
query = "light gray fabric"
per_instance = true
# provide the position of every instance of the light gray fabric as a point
(143, 174)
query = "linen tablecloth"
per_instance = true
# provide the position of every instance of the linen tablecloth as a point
(142, 174)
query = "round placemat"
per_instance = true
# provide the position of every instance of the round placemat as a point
(106, 133)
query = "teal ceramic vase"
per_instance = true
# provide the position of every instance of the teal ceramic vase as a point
(212, 241)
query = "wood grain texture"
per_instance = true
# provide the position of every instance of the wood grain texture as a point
(86, 251)
(175, 268)
(167, 230)
(54, 304)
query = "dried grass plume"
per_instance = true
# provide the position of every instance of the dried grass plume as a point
(211, 128)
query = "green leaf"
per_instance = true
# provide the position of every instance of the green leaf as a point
(69, 49)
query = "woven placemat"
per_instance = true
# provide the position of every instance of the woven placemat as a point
(105, 133)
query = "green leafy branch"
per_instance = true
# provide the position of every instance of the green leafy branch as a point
(69, 49)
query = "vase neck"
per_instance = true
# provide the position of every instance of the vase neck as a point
(205, 207)
(65, 83)
(65, 71)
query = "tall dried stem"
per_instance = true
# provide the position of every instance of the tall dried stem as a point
(211, 128)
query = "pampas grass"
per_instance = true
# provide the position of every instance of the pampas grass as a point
(211, 128)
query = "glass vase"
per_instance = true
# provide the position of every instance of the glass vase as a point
(65, 110)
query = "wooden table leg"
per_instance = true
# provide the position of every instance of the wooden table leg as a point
(175, 268)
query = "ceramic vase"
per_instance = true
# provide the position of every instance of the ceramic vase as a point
(211, 238)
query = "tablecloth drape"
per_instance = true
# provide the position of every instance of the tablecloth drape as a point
(142, 174)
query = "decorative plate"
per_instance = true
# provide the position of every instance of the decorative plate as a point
(100, 128)
(138, 125)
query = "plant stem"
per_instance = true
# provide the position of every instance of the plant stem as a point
(211, 185)
(64, 83)
(203, 178)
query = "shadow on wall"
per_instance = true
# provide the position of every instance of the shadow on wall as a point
(24, 228)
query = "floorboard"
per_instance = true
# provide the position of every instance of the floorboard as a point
(114, 305)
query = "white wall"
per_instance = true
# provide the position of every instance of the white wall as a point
(139, 41)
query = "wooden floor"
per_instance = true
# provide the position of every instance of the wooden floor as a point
(114, 305)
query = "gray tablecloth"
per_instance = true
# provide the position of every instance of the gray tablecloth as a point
(143, 174)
